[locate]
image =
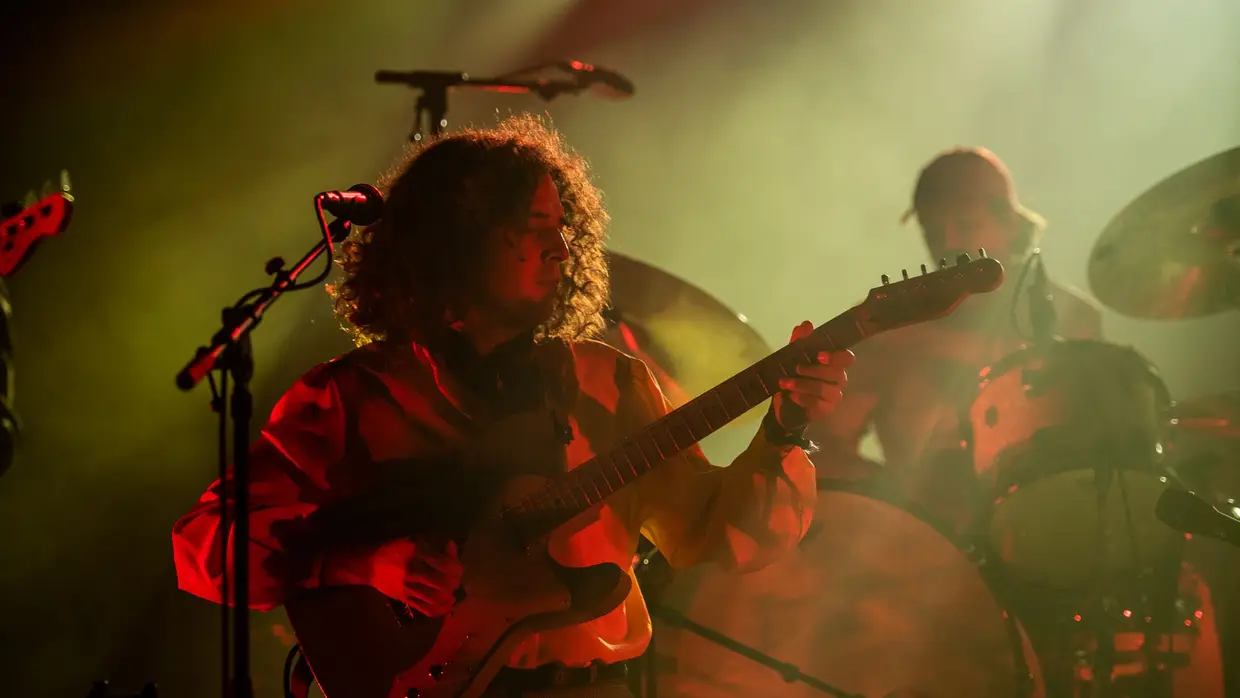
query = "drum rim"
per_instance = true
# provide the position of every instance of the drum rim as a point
(1166, 405)
(1008, 361)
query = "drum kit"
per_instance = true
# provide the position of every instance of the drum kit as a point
(1067, 584)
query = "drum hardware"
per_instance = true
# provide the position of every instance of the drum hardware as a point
(1043, 442)
(1172, 252)
(1141, 646)
(1215, 416)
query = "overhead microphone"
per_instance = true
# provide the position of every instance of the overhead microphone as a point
(582, 77)
(601, 81)
(1188, 513)
(360, 204)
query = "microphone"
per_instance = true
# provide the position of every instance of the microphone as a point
(582, 77)
(1188, 513)
(1041, 303)
(361, 204)
(605, 83)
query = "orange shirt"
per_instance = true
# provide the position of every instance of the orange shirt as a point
(307, 456)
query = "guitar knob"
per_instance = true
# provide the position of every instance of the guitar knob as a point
(412, 693)
(905, 273)
(942, 262)
(923, 269)
(435, 672)
(886, 279)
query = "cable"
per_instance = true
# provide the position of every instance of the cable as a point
(1036, 256)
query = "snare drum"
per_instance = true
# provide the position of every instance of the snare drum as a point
(875, 601)
(1067, 442)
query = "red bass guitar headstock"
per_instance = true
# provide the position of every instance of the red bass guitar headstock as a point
(21, 233)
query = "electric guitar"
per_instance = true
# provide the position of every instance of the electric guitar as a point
(358, 646)
(22, 232)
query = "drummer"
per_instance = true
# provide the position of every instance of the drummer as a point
(908, 385)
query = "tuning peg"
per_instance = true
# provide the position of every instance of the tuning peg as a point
(923, 269)
(904, 272)
(942, 262)
(962, 259)
(981, 252)
(886, 279)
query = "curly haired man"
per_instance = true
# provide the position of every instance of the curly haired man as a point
(473, 302)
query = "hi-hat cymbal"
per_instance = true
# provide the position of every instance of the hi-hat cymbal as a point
(1171, 253)
(1211, 415)
(690, 339)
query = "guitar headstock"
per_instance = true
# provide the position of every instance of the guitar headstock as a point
(930, 295)
(21, 232)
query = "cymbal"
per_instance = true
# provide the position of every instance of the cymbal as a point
(690, 339)
(1171, 253)
(1211, 415)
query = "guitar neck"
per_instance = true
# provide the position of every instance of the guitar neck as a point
(593, 481)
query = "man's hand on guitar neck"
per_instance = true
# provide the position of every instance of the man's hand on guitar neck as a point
(418, 573)
(816, 389)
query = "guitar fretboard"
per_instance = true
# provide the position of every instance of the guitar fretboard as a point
(593, 481)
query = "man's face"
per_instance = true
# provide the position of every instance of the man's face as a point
(524, 273)
(970, 210)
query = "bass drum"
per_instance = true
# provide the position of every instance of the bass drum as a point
(876, 601)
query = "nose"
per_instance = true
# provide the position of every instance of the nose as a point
(557, 249)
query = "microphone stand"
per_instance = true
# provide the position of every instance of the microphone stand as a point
(788, 672)
(432, 106)
(231, 352)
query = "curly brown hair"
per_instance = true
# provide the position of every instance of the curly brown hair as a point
(405, 273)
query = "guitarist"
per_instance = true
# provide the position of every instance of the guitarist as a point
(472, 303)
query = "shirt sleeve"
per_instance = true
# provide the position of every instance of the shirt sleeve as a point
(742, 517)
(291, 465)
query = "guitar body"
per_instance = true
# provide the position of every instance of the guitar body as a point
(359, 646)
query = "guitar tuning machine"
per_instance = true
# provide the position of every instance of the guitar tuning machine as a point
(962, 259)
(923, 269)
(904, 272)
(886, 279)
(942, 262)
(981, 252)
